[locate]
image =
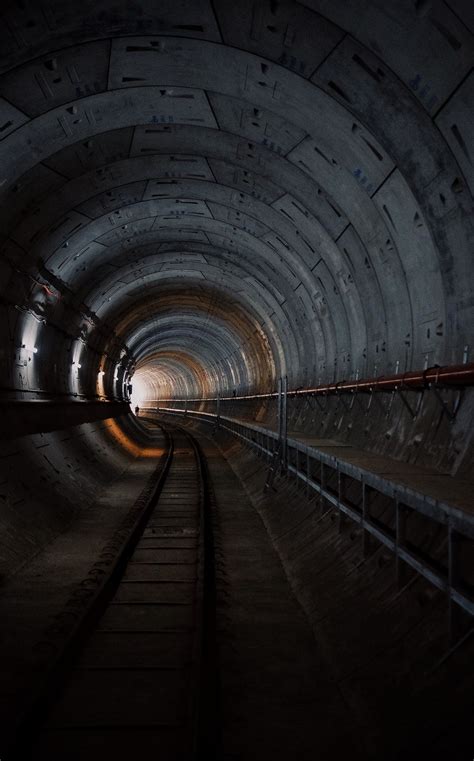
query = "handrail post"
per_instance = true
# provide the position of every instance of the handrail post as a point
(279, 410)
(284, 416)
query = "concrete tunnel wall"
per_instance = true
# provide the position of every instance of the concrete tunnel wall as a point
(204, 199)
(49, 478)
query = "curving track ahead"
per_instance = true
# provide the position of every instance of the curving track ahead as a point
(140, 671)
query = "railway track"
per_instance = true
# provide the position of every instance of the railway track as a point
(137, 679)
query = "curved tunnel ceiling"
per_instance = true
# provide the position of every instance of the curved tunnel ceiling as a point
(212, 195)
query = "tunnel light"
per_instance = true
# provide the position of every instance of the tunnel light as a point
(101, 372)
(79, 365)
(35, 350)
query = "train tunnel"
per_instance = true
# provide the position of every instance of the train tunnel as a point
(236, 238)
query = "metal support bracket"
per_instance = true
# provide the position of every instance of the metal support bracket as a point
(450, 413)
(389, 408)
(349, 406)
(322, 407)
(372, 395)
(407, 404)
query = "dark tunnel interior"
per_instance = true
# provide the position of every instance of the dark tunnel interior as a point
(199, 199)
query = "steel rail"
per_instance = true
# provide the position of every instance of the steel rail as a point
(66, 642)
(201, 727)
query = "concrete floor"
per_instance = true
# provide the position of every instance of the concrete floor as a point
(385, 650)
(318, 653)
(278, 698)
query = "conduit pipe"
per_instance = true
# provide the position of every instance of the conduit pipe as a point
(449, 375)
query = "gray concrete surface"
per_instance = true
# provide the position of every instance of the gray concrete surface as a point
(202, 198)
(33, 597)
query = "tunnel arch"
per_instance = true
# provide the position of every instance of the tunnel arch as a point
(203, 204)
(320, 189)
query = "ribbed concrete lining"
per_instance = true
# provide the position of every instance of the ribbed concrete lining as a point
(297, 170)
(202, 196)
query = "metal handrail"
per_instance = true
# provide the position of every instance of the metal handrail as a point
(457, 521)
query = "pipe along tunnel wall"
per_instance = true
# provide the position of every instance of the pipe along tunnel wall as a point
(202, 200)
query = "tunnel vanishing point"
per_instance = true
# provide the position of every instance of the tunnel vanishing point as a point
(236, 379)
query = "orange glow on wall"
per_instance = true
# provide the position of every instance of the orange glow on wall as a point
(130, 446)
